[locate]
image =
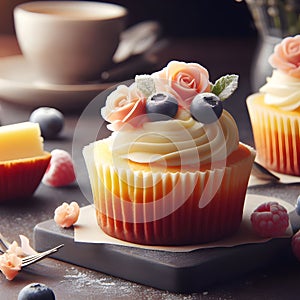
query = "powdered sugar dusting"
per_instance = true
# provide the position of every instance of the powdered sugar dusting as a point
(87, 284)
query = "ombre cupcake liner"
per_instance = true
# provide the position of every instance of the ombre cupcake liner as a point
(168, 208)
(20, 178)
(276, 136)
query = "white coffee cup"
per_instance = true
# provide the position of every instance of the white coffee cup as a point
(69, 42)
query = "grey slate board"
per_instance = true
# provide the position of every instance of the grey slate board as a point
(176, 272)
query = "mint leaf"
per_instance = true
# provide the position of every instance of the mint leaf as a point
(146, 84)
(225, 86)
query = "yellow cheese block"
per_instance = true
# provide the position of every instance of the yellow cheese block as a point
(21, 140)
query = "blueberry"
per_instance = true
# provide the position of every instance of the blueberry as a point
(206, 108)
(161, 107)
(51, 121)
(297, 208)
(36, 291)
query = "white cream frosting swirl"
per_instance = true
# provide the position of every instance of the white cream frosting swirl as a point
(178, 142)
(282, 90)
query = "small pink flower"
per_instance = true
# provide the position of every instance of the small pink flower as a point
(10, 265)
(22, 251)
(186, 79)
(11, 260)
(124, 105)
(14, 248)
(286, 56)
(66, 214)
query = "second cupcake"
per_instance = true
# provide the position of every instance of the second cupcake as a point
(275, 111)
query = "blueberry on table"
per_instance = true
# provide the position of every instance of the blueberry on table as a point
(36, 291)
(206, 108)
(51, 121)
(161, 107)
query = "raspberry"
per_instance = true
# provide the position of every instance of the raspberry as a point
(270, 220)
(296, 244)
(60, 171)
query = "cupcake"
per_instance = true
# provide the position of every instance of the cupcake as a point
(173, 171)
(275, 111)
(23, 160)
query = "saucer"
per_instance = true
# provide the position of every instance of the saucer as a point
(19, 84)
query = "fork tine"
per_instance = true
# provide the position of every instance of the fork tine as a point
(28, 260)
(4, 242)
(40, 254)
(2, 248)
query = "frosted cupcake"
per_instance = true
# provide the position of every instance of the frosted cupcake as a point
(173, 171)
(275, 111)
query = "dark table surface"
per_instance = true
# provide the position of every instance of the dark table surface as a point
(220, 56)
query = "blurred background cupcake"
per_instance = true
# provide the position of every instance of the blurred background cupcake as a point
(274, 20)
(275, 111)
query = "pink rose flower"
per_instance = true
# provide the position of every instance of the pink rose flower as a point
(66, 214)
(10, 265)
(286, 56)
(124, 105)
(186, 79)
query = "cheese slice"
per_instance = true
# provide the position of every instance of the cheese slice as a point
(21, 140)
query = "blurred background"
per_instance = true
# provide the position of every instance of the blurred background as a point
(179, 18)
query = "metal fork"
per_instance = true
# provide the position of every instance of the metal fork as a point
(30, 259)
(262, 173)
(4, 244)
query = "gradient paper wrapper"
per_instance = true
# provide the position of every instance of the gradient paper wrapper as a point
(20, 178)
(168, 208)
(276, 135)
